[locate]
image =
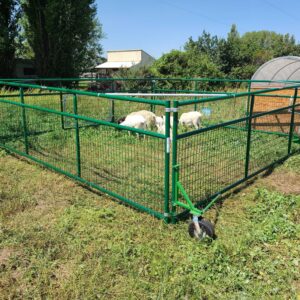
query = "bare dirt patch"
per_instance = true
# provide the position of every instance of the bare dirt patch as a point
(284, 182)
(5, 253)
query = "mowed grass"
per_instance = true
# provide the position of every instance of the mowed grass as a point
(59, 240)
(62, 241)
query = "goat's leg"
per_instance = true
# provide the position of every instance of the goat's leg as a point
(196, 123)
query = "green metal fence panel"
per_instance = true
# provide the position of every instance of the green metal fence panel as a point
(76, 133)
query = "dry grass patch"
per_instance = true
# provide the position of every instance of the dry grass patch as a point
(284, 182)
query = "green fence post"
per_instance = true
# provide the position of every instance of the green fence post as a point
(248, 147)
(292, 121)
(248, 102)
(24, 122)
(174, 159)
(152, 107)
(112, 103)
(167, 163)
(195, 89)
(77, 139)
(62, 110)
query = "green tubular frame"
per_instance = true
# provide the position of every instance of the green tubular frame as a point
(175, 194)
(24, 122)
(167, 164)
(292, 121)
(77, 138)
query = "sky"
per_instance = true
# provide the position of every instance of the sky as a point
(158, 26)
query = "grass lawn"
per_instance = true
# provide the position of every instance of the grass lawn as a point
(59, 240)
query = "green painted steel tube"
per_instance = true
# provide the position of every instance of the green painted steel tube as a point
(174, 160)
(112, 104)
(167, 164)
(248, 101)
(61, 109)
(276, 96)
(86, 182)
(77, 137)
(78, 92)
(152, 107)
(79, 117)
(43, 94)
(11, 95)
(248, 146)
(195, 88)
(24, 122)
(258, 130)
(292, 121)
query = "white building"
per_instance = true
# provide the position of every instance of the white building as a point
(123, 59)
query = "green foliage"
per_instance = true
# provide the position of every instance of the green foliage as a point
(9, 16)
(64, 36)
(234, 57)
(24, 49)
(205, 44)
(271, 216)
(134, 85)
(189, 63)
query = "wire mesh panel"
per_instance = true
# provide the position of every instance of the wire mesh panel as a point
(76, 133)
(127, 164)
(48, 142)
(44, 99)
(211, 160)
(11, 126)
(94, 107)
(215, 112)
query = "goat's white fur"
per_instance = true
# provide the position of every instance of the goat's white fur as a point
(149, 117)
(135, 122)
(190, 119)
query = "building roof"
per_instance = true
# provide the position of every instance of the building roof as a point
(116, 65)
(134, 50)
(278, 69)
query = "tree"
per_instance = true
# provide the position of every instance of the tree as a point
(205, 44)
(64, 35)
(233, 57)
(190, 63)
(174, 63)
(9, 16)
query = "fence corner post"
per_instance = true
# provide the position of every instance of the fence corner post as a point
(248, 145)
(292, 121)
(174, 159)
(77, 138)
(24, 121)
(167, 163)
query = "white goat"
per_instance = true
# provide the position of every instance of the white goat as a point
(159, 121)
(149, 117)
(190, 119)
(137, 121)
